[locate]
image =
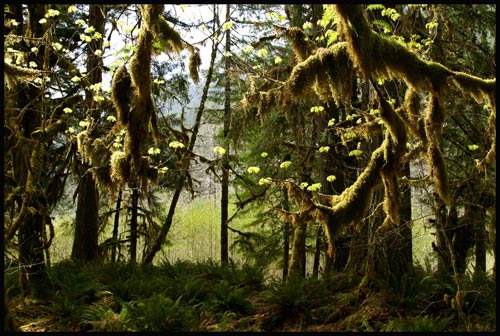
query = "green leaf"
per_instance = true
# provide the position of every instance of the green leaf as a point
(383, 24)
(373, 7)
(356, 152)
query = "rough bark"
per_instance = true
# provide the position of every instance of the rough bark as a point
(87, 212)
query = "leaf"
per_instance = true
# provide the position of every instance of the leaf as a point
(373, 7)
(383, 24)
(356, 152)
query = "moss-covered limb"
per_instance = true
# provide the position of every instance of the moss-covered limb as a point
(395, 124)
(438, 171)
(169, 38)
(352, 205)
(330, 71)
(13, 74)
(302, 45)
(379, 55)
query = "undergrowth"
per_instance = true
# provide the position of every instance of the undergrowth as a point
(186, 296)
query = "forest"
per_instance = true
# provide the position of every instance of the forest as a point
(249, 167)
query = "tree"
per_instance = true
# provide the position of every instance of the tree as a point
(225, 163)
(34, 181)
(375, 56)
(85, 243)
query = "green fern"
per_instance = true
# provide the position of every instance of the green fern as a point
(160, 313)
(420, 324)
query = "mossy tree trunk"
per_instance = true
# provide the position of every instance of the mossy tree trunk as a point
(298, 258)
(24, 107)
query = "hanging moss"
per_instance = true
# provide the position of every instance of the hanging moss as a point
(438, 171)
(339, 71)
(266, 102)
(120, 94)
(411, 109)
(478, 88)
(169, 38)
(102, 176)
(194, 65)
(303, 75)
(83, 141)
(13, 74)
(302, 45)
(120, 168)
(328, 69)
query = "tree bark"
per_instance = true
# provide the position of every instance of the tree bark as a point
(285, 205)
(87, 211)
(133, 226)
(297, 259)
(224, 244)
(85, 244)
(115, 226)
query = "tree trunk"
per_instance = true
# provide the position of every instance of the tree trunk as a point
(87, 211)
(224, 243)
(85, 244)
(24, 101)
(285, 205)
(133, 226)
(115, 227)
(298, 260)
(317, 251)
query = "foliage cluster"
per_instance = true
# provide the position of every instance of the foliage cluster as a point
(207, 297)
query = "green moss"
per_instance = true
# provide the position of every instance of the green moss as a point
(411, 108)
(169, 38)
(303, 75)
(376, 55)
(351, 206)
(83, 142)
(120, 94)
(194, 65)
(99, 153)
(438, 171)
(120, 168)
(302, 46)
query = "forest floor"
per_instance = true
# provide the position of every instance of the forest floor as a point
(189, 297)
